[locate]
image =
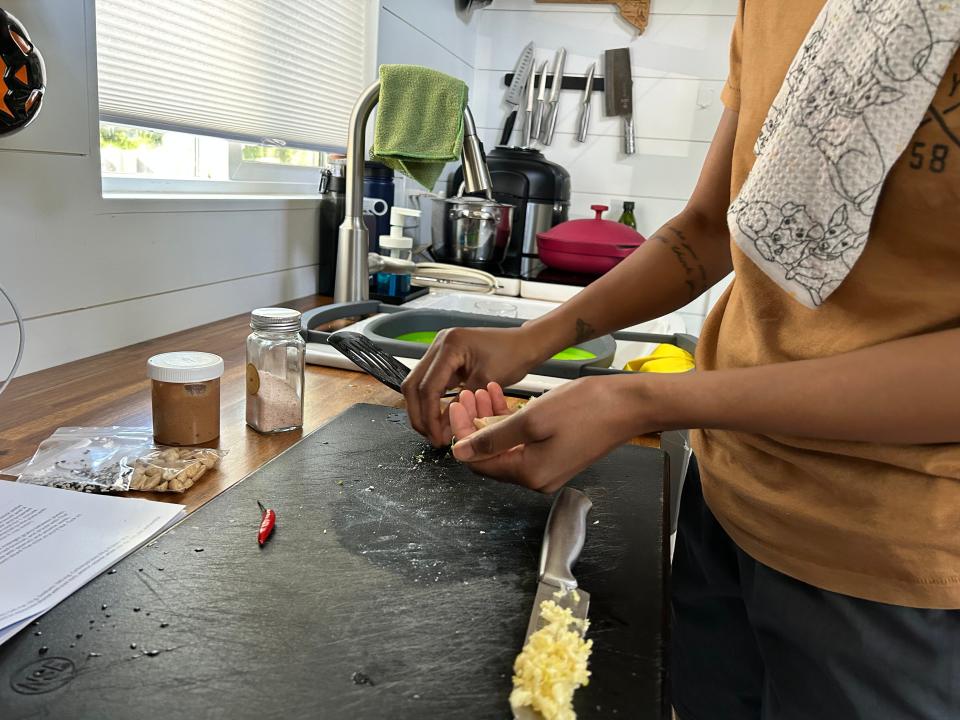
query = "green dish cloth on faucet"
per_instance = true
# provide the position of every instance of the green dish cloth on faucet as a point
(419, 125)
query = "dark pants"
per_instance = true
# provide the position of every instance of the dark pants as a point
(752, 643)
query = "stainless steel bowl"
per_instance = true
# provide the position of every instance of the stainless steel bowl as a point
(476, 231)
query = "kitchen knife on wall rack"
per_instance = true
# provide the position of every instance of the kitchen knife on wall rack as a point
(618, 95)
(583, 123)
(541, 104)
(530, 109)
(515, 90)
(554, 102)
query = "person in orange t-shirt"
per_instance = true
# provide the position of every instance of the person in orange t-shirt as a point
(817, 564)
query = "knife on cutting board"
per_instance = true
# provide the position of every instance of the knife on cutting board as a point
(618, 93)
(563, 540)
(515, 93)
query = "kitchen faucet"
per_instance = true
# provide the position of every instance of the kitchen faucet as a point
(353, 277)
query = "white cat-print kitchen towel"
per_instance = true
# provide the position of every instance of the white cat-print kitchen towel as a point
(852, 100)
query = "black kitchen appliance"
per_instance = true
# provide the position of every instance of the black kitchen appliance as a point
(539, 191)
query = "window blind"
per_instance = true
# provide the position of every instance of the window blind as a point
(275, 71)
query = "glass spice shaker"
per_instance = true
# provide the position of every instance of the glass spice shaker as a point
(275, 357)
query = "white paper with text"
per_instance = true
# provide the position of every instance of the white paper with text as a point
(53, 542)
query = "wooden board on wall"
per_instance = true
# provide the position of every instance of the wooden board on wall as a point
(635, 12)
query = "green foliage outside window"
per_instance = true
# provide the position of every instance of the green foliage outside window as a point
(284, 155)
(128, 138)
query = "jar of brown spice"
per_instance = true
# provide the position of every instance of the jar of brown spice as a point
(186, 397)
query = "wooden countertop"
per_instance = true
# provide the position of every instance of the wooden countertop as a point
(112, 389)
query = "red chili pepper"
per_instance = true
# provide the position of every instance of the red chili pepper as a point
(267, 520)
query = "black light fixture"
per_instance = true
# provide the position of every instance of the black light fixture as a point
(466, 7)
(22, 76)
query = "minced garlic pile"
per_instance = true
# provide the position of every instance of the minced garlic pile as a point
(552, 664)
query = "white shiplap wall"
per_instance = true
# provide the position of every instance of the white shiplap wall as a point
(94, 274)
(679, 66)
(429, 33)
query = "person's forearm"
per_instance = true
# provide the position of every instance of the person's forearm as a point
(676, 265)
(901, 392)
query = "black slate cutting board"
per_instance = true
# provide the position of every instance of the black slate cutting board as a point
(397, 585)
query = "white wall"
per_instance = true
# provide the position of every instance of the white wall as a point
(432, 34)
(95, 274)
(679, 66)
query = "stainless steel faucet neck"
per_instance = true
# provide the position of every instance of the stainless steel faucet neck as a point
(476, 174)
(353, 279)
(353, 276)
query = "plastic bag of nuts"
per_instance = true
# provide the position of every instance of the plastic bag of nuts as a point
(87, 459)
(114, 459)
(172, 469)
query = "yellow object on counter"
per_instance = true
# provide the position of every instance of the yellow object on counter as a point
(664, 359)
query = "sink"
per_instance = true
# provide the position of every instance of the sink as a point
(409, 333)
(524, 309)
(506, 308)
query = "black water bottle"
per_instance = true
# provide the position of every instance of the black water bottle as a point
(332, 210)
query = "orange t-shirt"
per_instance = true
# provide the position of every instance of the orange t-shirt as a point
(874, 521)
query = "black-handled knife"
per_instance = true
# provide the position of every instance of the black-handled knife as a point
(508, 128)
(515, 94)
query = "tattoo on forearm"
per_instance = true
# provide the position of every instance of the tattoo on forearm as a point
(695, 274)
(677, 232)
(585, 331)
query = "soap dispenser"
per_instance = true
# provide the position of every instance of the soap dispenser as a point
(397, 246)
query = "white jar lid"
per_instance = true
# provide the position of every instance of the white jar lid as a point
(396, 243)
(185, 367)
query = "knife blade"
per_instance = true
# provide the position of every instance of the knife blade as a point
(528, 113)
(554, 101)
(563, 540)
(541, 102)
(618, 93)
(514, 95)
(583, 124)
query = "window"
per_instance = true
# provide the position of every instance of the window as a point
(141, 160)
(227, 96)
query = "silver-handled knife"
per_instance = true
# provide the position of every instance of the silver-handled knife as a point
(583, 124)
(563, 540)
(618, 93)
(515, 95)
(530, 109)
(554, 101)
(541, 104)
